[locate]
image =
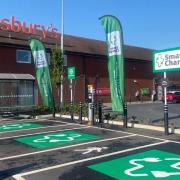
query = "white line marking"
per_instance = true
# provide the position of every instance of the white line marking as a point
(10, 137)
(59, 121)
(174, 141)
(23, 120)
(31, 120)
(151, 137)
(44, 127)
(64, 147)
(18, 176)
(119, 131)
(16, 120)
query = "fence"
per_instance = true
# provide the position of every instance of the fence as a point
(16, 96)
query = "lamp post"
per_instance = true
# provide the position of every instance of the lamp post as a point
(62, 50)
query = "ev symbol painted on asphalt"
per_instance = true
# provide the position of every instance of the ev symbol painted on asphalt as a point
(57, 138)
(17, 126)
(11, 126)
(157, 174)
(147, 165)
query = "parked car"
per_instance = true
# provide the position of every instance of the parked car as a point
(173, 97)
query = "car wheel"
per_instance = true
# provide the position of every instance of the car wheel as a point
(174, 101)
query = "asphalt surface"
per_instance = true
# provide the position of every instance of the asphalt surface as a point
(152, 113)
(78, 159)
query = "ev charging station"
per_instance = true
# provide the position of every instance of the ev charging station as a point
(91, 93)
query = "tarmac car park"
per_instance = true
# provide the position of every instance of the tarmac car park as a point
(51, 149)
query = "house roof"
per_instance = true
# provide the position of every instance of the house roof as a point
(75, 44)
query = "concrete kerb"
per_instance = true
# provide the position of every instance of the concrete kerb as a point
(141, 126)
(130, 124)
(135, 102)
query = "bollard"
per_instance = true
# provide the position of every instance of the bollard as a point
(89, 114)
(100, 112)
(172, 127)
(92, 111)
(125, 116)
(80, 112)
(166, 125)
(72, 115)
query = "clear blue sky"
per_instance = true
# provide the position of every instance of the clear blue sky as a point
(146, 23)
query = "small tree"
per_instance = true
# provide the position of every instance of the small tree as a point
(57, 67)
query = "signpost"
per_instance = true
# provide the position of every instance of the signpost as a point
(164, 82)
(71, 73)
(164, 61)
(71, 76)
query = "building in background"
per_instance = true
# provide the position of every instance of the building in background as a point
(17, 76)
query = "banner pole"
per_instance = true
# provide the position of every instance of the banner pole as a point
(62, 50)
(71, 103)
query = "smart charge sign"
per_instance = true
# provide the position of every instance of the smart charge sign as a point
(166, 60)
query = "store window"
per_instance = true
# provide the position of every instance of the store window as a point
(15, 93)
(23, 56)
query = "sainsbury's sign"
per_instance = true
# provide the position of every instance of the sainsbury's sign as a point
(103, 92)
(16, 26)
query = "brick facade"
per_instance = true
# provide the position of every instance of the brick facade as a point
(89, 58)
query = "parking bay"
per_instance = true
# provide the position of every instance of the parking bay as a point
(76, 155)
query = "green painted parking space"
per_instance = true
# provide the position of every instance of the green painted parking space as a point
(149, 165)
(18, 126)
(56, 139)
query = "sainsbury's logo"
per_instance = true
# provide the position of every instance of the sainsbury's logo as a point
(16, 26)
(114, 43)
(40, 59)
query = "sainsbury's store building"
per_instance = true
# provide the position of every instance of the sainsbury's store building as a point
(17, 77)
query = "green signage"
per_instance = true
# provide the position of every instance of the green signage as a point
(150, 165)
(19, 125)
(144, 91)
(42, 72)
(71, 72)
(166, 60)
(55, 139)
(114, 37)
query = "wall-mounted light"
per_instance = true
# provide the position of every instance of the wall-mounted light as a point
(134, 81)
